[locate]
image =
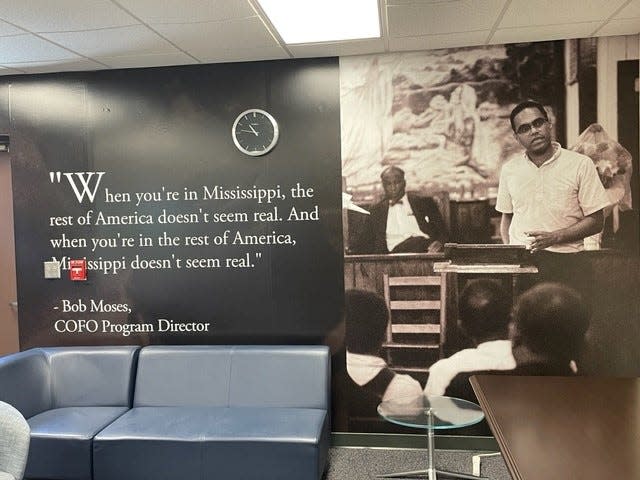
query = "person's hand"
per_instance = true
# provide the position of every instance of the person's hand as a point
(435, 247)
(541, 240)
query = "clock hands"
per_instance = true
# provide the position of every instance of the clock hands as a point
(250, 125)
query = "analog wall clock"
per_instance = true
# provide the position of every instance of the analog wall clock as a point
(255, 132)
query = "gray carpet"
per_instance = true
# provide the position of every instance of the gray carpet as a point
(356, 463)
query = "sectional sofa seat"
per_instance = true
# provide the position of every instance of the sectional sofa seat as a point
(224, 412)
(67, 396)
(173, 412)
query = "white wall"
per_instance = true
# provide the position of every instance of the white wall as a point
(610, 51)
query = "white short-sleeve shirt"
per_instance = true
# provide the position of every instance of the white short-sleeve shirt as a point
(561, 192)
(491, 355)
(364, 368)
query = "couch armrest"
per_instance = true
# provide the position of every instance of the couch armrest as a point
(91, 376)
(25, 382)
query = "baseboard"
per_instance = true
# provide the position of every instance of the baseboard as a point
(393, 440)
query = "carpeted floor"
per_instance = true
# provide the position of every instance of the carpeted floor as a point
(356, 463)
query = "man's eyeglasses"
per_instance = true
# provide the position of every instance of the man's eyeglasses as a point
(527, 127)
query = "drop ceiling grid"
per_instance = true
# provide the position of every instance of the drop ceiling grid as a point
(38, 35)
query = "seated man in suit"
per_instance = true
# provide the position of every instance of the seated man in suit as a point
(401, 222)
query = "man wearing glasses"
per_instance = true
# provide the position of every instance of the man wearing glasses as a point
(550, 198)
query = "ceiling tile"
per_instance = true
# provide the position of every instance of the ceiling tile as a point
(7, 29)
(82, 64)
(214, 55)
(153, 60)
(29, 48)
(430, 42)
(629, 26)
(632, 10)
(547, 32)
(449, 17)
(526, 13)
(188, 11)
(230, 35)
(112, 42)
(336, 49)
(63, 15)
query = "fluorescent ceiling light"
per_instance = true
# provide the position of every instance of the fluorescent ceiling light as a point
(310, 21)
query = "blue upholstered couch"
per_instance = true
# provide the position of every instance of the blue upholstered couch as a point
(172, 412)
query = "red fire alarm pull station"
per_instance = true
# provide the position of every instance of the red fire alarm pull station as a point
(78, 269)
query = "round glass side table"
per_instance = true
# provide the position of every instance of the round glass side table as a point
(430, 414)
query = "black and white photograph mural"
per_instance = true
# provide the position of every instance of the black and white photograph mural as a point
(433, 294)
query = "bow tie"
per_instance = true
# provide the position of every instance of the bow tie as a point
(397, 202)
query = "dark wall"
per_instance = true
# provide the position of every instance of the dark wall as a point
(169, 129)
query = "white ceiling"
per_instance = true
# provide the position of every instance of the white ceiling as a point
(38, 36)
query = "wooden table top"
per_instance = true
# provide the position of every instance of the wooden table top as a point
(564, 427)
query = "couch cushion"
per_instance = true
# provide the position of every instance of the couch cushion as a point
(213, 442)
(183, 376)
(267, 443)
(91, 376)
(280, 376)
(61, 441)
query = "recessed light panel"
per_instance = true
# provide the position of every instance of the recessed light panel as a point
(312, 21)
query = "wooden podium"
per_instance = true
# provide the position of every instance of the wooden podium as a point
(465, 262)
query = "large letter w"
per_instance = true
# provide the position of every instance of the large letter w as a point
(84, 179)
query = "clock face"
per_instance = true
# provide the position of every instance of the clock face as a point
(255, 132)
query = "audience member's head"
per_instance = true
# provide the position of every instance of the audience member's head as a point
(484, 308)
(366, 318)
(550, 320)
